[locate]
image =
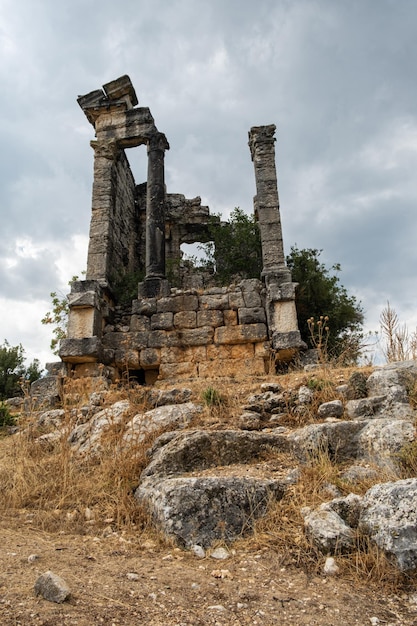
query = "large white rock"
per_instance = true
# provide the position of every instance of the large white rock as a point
(388, 516)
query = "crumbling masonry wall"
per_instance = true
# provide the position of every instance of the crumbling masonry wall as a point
(166, 332)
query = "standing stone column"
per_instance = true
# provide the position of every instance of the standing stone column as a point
(266, 201)
(280, 290)
(155, 213)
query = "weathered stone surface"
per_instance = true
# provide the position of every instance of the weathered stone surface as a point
(364, 407)
(144, 307)
(381, 439)
(201, 449)
(327, 530)
(334, 408)
(46, 392)
(149, 358)
(195, 336)
(240, 334)
(207, 509)
(52, 587)
(218, 301)
(140, 323)
(337, 439)
(174, 304)
(80, 350)
(305, 395)
(178, 371)
(210, 317)
(162, 321)
(185, 319)
(85, 438)
(250, 420)
(175, 415)
(183, 354)
(388, 516)
(161, 397)
(252, 315)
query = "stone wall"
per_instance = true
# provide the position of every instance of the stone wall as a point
(188, 334)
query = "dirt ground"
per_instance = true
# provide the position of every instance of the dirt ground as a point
(119, 581)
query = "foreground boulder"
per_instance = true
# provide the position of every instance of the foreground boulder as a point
(194, 507)
(202, 510)
(389, 517)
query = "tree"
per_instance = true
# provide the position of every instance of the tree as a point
(320, 294)
(58, 316)
(235, 248)
(13, 371)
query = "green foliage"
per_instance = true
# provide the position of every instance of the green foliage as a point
(319, 295)
(212, 397)
(13, 371)
(58, 316)
(235, 248)
(6, 418)
(125, 287)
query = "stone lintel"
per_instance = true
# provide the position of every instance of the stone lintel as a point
(87, 349)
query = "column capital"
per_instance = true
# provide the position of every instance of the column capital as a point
(158, 141)
(107, 149)
(261, 135)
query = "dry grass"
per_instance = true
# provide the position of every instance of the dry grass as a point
(65, 492)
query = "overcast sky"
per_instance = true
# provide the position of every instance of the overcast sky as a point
(337, 78)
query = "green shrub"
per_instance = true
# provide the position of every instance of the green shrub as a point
(6, 418)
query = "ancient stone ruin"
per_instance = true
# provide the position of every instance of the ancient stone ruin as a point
(194, 330)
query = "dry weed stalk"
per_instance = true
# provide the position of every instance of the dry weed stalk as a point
(399, 344)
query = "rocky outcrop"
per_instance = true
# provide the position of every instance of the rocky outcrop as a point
(196, 507)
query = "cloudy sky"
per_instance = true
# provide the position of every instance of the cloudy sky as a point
(336, 77)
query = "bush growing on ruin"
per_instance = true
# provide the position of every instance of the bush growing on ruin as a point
(235, 252)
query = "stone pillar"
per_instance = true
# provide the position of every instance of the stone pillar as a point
(280, 290)
(266, 202)
(99, 248)
(155, 207)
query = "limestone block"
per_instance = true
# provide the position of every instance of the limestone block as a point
(140, 323)
(236, 300)
(127, 359)
(80, 350)
(252, 315)
(52, 587)
(175, 304)
(218, 301)
(162, 321)
(46, 391)
(138, 340)
(162, 338)
(144, 307)
(177, 370)
(263, 349)
(230, 317)
(83, 322)
(195, 336)
(252, 299)
(150, 358)
(210, 317)
(283, 316)
(181, 354)
(238, 351)
(94, 370)
(248, 333)
(185, 319)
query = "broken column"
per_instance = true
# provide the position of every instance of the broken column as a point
(280, 290)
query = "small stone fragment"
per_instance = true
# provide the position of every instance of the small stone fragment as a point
(33, 557)
(132, 576)
(52, 587)
(198, 551)
(330, 567)
(220, 554)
